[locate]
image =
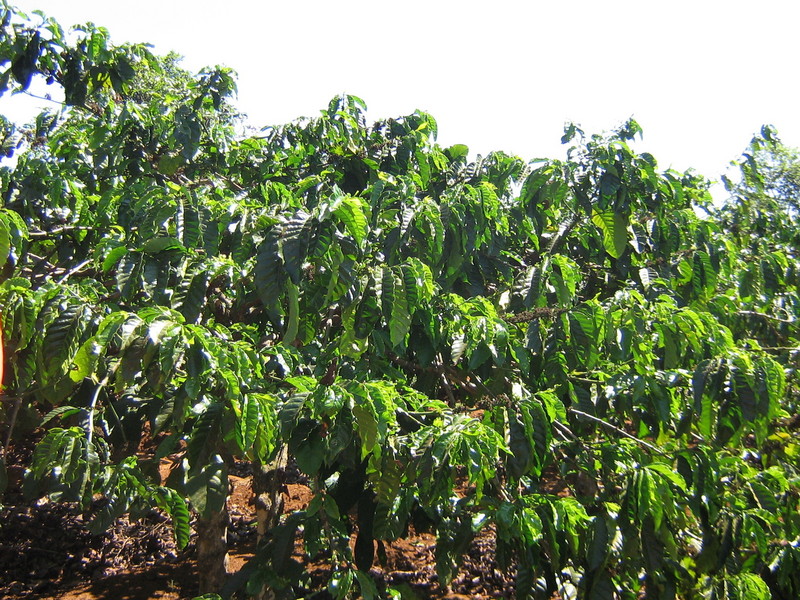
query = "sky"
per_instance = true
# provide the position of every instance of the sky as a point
(699, 76)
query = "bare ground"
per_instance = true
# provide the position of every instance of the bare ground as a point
(46, 552)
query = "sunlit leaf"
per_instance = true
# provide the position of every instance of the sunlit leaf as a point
(614, 227)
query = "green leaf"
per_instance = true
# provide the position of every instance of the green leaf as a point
(457, 152)
(113, 257)
(293, 243)
(192, 233)
(747, 586)
(521, 458)
(204, 436)
(367, 313)
(764, 497)
(188, 131)
(367, 429)
(289, 412)
(351, 211)
(600, 548)
(609, 182)
(704, 278)
(190, 296)
(162, 244)
(61, 341)
(669, 474)
(395, 303)
(400, 321)
(63, 411)
(308, 447)
(411, 285)
(340, 584)
(293, 318)
(248, 422)
(453, 537)
(602, 587)
(179, 512)
(388, 483)
(614, 227)
(565, 276)
(539, 428)
(128, 269)
(706, 383)
(269, 275)
(744, 392)
(88, 355)
(586, 330)
(207, 486)
(367, 586)
(5, 240)
(645, 499)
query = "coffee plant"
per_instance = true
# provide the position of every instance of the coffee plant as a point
(431, 339)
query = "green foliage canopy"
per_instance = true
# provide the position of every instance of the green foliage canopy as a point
(435, 340)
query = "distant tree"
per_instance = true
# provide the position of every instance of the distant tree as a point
(767, 198)
(762, 219)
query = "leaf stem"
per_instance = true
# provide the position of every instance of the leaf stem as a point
(90, 431)
(564, 431)
(59, 230)
(752, 313)
(73, 270)
(616, 429)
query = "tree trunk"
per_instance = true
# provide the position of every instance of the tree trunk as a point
(212, 550)
(268, 481)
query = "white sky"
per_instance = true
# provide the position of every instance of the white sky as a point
(700, 76)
